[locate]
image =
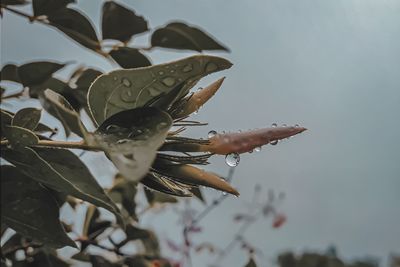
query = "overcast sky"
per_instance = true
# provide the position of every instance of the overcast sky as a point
(332, 66)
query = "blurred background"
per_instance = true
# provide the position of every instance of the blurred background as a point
(330, 66)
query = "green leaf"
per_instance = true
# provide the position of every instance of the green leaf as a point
(251, 263)
(45, 7)
(83, 82)
(124, 192)
(76, 26)
(54, 84)
(121, 23)
(178, 35)
(29, 209)
(35, 73)
(61, 170)
(9, 72)
(14, 2)
(164, 185)
(129, 58)
(131, 139)
(59, 107)
(20, 137)
(127, 89)
(154, 197)
(27, 118)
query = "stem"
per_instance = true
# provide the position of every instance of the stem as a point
(61, 144)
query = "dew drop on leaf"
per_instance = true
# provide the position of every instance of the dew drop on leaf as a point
(275, 142)
(232, 159)
(211, 133)
(126, 82)
(168, 81)
(187, 68)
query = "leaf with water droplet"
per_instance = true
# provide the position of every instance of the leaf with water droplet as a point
(61, 170)
(59, 107)
(178, 35)
(30, 209)
(192, 103)
(193, 176)
(27, 118)
(20, 137)
(143, 130)
(108, 96)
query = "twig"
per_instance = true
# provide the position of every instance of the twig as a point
(61, 144)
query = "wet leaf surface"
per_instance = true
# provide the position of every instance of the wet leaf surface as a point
(30, 209)
(61, 170)
(121, 23)
(179, 35)
(127, 89)
(131, 139)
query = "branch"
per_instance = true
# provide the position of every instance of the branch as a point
(61, 144)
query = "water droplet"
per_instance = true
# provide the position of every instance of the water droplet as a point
(232, 159)
(168, 81)
(274, 125)
(212, 133)
(296, 126)
(126, 82)
(162, 125)
(112, 128)
(257, 149)
(172, 71)
(284, 125)
(115, 78)
(122, 141)
(211, 66)
(153, 91)
(187, 68)
(224, 193)
(161, 73)
(275, 142)
(127, 95)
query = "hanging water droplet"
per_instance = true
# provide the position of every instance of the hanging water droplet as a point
(284, 125)
(210, 67)
(257, 149)
(187, 68)
(212, 133)
(126, 82)
(275, 142)
(168, 81)
(232, 159)
(274, 125)
(224, 193)
(112, 128)
(296, 126)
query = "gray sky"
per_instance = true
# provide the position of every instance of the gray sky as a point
(332, 66)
